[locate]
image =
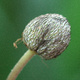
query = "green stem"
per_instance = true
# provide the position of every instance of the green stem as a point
(21, 63)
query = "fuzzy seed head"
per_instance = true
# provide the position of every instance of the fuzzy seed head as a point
(48, 35)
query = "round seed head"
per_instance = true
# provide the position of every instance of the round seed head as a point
(48, 35)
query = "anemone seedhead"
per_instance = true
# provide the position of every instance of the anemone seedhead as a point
(48, 35)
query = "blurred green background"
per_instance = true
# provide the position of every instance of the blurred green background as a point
(15, 15)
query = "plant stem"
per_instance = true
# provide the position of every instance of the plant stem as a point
(21, 63)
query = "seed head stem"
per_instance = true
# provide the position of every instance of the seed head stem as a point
(21, 63)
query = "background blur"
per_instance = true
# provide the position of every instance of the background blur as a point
(15, 15)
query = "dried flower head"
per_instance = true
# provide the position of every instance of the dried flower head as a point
(48, 35)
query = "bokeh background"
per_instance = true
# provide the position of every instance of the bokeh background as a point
(14, 16)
